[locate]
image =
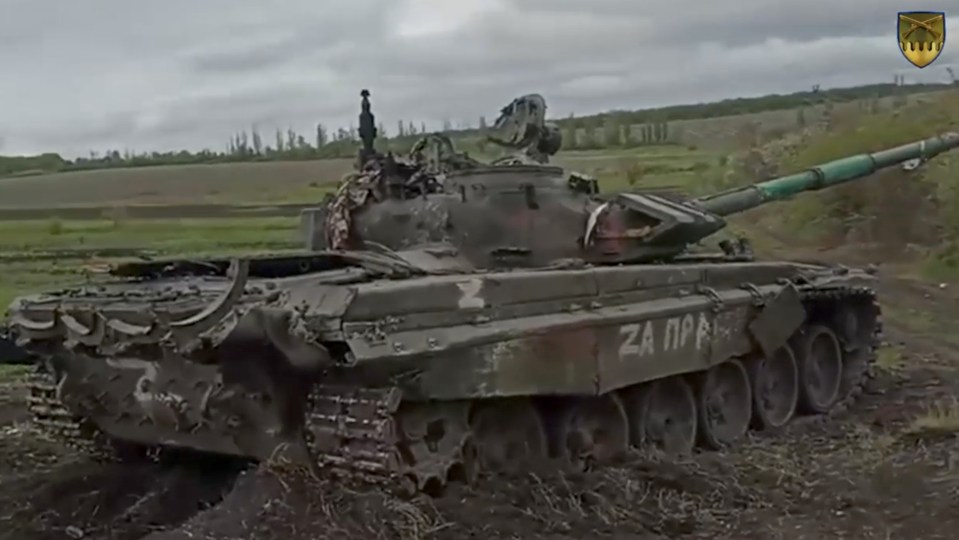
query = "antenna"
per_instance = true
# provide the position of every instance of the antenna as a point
(367, 130)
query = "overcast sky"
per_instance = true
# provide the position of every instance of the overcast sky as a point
(158, 75)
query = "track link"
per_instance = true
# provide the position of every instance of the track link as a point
(351, 431)
(855, 387)
(51, 417)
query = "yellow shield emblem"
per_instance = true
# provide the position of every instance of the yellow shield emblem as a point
(922, 35)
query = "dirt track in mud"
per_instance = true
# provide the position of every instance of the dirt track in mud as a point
(866, 473)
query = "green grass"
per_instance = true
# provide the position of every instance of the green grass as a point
(644, 167)
(21, 240)
(891, 359)
(941, 418)
(165, 235)
(228, 183)
(26, 246)
(9, 373)
(910, 217)
(261, 182)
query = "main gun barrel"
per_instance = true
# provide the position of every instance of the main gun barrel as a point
(825, 175)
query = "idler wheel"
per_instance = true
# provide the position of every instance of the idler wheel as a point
(775, 384)
(858, 326)
(820, 369)
(508, 435)
(724, 404)
(662, 414)
(594, 431)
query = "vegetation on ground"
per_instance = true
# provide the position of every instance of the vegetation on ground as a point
(37, 255)
(900, 216)
(297, 181)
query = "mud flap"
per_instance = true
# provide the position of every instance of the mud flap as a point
(778, 320)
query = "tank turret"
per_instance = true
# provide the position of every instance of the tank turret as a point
(526, 213)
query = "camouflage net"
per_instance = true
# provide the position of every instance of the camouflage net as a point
(352, 193)
(430, 159)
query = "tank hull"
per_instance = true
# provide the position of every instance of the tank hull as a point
(394, 379)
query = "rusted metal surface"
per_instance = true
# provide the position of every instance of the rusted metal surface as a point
(458, 316)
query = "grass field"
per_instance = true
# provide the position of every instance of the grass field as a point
(271, 182)
(178, 184)
(35, 255)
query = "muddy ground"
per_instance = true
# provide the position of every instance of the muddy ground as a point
(874, 471)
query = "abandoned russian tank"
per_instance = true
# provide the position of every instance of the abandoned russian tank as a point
(454, 317)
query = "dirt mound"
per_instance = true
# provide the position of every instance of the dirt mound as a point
(81, 499)
(642, 499)
(865, 475)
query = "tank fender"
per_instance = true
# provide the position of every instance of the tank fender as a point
(288, 333)
(778, 318)
(212, 314)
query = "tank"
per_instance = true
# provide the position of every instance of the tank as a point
(463, 321)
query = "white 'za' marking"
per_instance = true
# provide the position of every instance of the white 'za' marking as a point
(639, 338)
(629, 346)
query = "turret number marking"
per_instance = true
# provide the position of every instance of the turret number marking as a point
(470, 294)
(672, 334)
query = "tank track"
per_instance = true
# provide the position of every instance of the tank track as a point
(371, 436)
(351, 431)
(52, 419)
(375, 449)
(871, 353)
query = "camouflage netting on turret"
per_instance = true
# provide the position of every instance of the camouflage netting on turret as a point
(430, 158)
(352, 193)
(521, 127)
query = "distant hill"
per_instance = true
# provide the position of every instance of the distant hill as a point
(23, 165)
(771, 102)
(342, 144)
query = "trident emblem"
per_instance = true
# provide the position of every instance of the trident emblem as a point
(921, 36)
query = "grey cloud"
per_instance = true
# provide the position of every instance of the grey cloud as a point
(738, 23)
(288, 38)
(243, 57)
(180, 73)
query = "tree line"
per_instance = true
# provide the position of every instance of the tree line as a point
(615, 128)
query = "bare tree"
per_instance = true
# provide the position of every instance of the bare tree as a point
(257, 141)
(320, 135)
